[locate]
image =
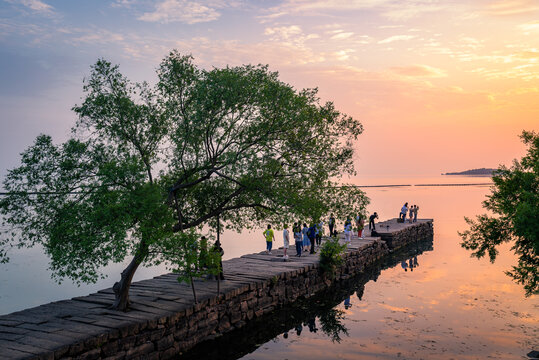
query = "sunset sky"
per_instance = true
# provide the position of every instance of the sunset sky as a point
(439, 85)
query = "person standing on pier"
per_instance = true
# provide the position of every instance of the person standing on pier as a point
(411, 217)
(217, 249)
(297, 238)
(360, 225)
(416, 208)
(348, 231)
(404, 211)
(286, 241)
(331, 224)
(203, 254)
(371, 221)
(268, 234)
(311, 233)
(319, 233)
(306, 242)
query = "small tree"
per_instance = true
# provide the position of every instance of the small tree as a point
(190, 258)
(331, 256)
(515, 203)
(145, 163)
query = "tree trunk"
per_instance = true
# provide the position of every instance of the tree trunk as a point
(121, 288)
(193, 287)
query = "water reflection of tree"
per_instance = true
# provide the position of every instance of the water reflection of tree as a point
(290, 319)
(332, 325)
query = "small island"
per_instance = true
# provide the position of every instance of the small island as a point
(474, 172)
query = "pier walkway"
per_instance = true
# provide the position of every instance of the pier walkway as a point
(163, 320)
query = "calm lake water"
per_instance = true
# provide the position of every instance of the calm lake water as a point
(450, 306)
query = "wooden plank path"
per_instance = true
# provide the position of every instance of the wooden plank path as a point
(56, 329)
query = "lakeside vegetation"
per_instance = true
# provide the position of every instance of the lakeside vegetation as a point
(515, 203)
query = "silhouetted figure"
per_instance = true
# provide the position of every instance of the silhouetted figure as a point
(298, 329)
(404, 265)
(312, 325)
(331, 224)
(371, 221)
(218, 249)
(347, 303)
(203, 253)
(360, 291)
(311, 233)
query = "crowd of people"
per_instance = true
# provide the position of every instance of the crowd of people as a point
(307, 238)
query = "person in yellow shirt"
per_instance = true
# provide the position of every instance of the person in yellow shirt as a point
(268, 234)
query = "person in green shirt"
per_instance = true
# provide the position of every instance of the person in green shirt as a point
(268, 234)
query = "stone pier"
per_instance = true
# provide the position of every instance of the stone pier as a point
(164, 321)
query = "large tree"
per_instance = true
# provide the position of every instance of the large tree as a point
(147, 165)
(515, 204)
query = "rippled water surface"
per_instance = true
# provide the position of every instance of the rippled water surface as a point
(449, 306)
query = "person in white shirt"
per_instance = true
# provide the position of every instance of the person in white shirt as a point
(286, 241)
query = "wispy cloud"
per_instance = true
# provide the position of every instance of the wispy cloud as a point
(292, 34)
(529, 27)
(396, 38)
(36, 6)
(512, 7)
(123, 3)
(184, 11)
(391, 9)
(405, 10)
(421, 71)
(342, 35)
(93, 36)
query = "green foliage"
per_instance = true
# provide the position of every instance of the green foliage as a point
(189, 257)
(234, 142)
(515, 202)
(331, 256)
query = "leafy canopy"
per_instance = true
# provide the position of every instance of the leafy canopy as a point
(146, 162)
(515, 203)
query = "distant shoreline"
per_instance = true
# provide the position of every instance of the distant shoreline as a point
(474, 172)
(424, 185)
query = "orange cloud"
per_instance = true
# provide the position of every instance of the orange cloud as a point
(514, 7)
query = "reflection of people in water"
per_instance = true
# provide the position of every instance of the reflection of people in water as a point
(360, 291)
(404, 265)
(298, 329)
(347, 303)
(312, 325)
